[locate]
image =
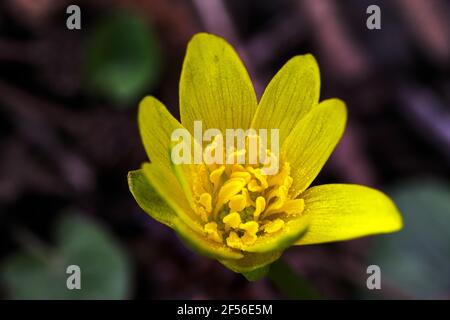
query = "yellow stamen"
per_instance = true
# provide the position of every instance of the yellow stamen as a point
(203, 214)
(273, 226)
(229, 189)
(295, 206)
(212, 232)
(237, 203)
(249, 202)
(232, 220)
(241, 174)
(251, 228)
(261, 179)
(215, 176)
(249, 238)
(260, 206)
(253, 186)
(279, 178)
(234, 241)
(205, 201)
(280, 196)
(237, 168)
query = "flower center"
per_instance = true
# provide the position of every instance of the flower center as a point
(238, 202)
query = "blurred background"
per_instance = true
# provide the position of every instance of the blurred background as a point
(68, 137)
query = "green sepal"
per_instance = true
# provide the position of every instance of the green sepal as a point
(251, 261)
(257, 274)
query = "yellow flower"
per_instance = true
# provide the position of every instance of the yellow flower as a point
(234, 212)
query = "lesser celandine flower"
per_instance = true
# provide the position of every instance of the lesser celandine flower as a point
(236, 213)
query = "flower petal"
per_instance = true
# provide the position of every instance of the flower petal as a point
(312, 141)
(148, 199)
(290, 95)
(156, 125)
(345, 211)
(168, 188)
(203, 245)
(215, 86)
(155, 204)
(251, 261)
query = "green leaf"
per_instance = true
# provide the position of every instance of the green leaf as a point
(27, 276)
(416, 260)
(105, 272)
(289, 283)
(123, 58)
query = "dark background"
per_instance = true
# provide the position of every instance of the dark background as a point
(68, 137)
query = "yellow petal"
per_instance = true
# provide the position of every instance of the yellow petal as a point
(290, 95)
(312, 141)
(155, 206)
(295, 206)
(202, 244)
(344, 211)
(183, 175)
(148, 199)
(169, 189)
(215, 86)
(156, 125)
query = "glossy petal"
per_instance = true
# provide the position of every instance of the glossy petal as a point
(215, 86)
(148, 199)
(312, 141)
(168, 188)
(345, 211)
(200, 243)
(293, 92)
(148, 196)
(156, 125)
